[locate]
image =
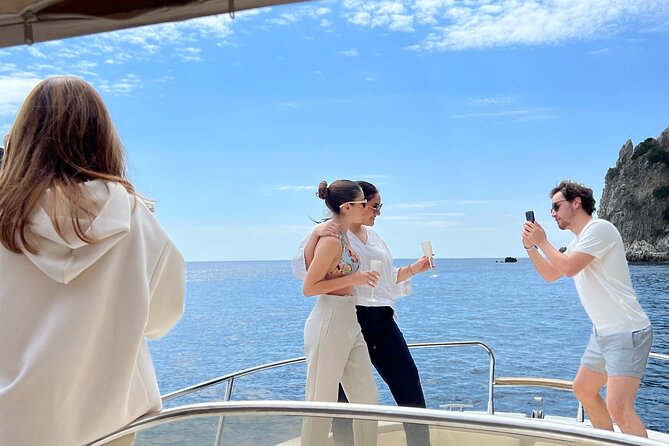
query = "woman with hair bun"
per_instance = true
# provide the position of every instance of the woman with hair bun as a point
(335, 348)
(387, 347)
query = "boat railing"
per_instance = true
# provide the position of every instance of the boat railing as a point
(476, 426)
(549, 383)
(229, 379)
(555, 384)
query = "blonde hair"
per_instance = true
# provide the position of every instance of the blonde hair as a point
(63, 136)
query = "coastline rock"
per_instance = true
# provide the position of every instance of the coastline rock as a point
(510, 259)
(636, 199)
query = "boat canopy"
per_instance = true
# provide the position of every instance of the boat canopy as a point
(30, 21)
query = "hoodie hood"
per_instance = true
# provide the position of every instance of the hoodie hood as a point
(63, 259)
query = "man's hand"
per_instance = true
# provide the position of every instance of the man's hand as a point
(533, 234)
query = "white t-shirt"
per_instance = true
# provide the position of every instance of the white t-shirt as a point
(604, 285)
(386, 291)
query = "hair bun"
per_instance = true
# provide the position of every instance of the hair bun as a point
(322, 190)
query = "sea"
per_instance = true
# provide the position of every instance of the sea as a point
(243, 314)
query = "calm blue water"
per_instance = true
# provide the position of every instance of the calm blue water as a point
(242, 314)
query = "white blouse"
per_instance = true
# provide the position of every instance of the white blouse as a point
(387, 289)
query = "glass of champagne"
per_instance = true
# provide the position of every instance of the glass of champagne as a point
(427, 251)
(375, 265)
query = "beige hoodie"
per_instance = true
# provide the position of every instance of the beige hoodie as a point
(74, 363)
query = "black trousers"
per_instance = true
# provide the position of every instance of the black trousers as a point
(391, 357)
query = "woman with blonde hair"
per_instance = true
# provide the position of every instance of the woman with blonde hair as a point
(335, 348)
(87, 274)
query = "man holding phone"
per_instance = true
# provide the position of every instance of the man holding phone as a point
(621, 339)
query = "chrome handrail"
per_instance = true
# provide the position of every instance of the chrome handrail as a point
(230, 378)
(492, 382)
(660, 356)
(473, 422)
(555, 384)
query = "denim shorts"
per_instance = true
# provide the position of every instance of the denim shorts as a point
(619, 354)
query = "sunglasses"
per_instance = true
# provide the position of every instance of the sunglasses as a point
(556, 206)
(362, 202)
(376, 207)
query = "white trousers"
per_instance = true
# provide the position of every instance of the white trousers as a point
(336, 353)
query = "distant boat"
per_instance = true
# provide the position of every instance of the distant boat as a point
(510, 260)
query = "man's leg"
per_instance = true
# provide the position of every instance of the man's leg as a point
(587, 386)
(620, 395)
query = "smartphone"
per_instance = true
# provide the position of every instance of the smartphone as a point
(529, 216)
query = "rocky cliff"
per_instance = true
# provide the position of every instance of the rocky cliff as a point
(636, 198)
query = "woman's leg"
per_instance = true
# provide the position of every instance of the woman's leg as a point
(327, 352)
(360, 387)
(342, 428)
(392, 359)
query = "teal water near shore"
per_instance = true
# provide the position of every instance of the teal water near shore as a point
(242, 314)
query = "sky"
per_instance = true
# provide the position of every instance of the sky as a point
(464, 114)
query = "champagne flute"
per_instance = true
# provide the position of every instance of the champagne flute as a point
(427, 251)
(375, 265)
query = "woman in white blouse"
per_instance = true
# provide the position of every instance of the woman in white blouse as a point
(375, 310)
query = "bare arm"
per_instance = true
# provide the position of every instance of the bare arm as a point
(543, 266)
(325, 229)
(567, 264)
(327, 250)
(419, 266)
(555, 264)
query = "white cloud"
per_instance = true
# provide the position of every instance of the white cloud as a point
(495, 100)
(85, 65)
(519, 115)
(35, 52)
(401, 22)
(189, 54)
(436, 203)
(494, 114)
(257, 230)
(283, 188)
(297, 14)
(349, 53)
(123, 86)
(600, 51)
(361, 18)
(419, 204)
(13, 91)
(8, 68)
(451, 25)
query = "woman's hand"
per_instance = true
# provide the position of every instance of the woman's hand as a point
(326, 229)
(368, 278)
(421, 265)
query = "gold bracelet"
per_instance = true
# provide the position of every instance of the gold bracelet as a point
(411, 271)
